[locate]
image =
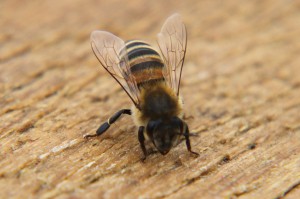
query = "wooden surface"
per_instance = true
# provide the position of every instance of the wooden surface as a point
(241, 88)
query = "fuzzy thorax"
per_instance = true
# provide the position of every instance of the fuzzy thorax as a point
(158, 101)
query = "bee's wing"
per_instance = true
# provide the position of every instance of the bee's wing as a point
(111, 52)
(172, 41)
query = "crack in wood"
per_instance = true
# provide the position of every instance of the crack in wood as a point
(289, 190)
(212, 168)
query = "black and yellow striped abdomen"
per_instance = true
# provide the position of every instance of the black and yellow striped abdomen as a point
(145, 63)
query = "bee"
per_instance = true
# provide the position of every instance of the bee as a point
(151, 80)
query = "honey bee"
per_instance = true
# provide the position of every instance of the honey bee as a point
(151, 80)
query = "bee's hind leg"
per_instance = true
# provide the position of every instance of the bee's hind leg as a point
(110, 121)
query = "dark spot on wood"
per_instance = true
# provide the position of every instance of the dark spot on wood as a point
(223, 141)
(9, 110)
(17, 87)
(178, 163)
(39, 74)
(93, 179)
(216, 116)
(225, 159)
(245, 130)
(96, 99)
(252, 146)
(50, 94)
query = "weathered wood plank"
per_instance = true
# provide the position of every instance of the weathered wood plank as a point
(241, 89)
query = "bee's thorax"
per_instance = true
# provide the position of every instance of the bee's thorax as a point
(158, 101)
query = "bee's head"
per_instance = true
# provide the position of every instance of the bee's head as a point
(165, 133)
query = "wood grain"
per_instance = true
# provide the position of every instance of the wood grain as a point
(241, 90)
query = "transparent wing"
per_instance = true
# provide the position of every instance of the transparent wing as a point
(172, 41)
(111, 52)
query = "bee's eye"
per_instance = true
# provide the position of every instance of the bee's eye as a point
(177, 122)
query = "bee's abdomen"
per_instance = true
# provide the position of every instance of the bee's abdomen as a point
(145, 63)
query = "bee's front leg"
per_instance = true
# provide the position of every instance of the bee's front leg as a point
(142, 141)
(187, 140)
(110, 121)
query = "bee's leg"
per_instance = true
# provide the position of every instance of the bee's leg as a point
(110, 121)
(142, 141)
(187, 140)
